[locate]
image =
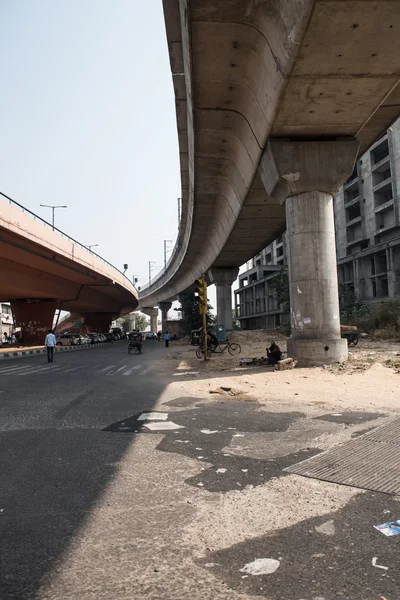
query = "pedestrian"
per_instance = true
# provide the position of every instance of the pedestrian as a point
(167, 337)
(50, 342)
(159, 336)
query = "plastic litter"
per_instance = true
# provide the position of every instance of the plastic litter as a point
(374, 564)
(261, 566)
(389, 529)
(153, 416)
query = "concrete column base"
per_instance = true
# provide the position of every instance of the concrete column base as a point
(317, 352)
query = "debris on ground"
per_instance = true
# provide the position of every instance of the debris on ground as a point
(261, 566)
(389, 529)
(374, 564)
(287, 363)
(254, 362)
(224, 390)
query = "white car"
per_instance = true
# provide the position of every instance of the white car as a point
(67, 339)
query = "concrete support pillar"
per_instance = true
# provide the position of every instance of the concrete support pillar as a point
(35, 317)
(305, 175)
(97, 322)
(223, 279)
(153, 314)
(164, 307)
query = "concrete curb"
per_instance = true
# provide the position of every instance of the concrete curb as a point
(19, 353)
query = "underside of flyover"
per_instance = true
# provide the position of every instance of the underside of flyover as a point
(38, 280)
(245, 72)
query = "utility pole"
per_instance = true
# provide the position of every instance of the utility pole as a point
(151, 267)
(165, 252)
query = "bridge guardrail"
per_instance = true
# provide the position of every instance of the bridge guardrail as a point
(64, 235)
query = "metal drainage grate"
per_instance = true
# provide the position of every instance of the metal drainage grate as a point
(371, 462)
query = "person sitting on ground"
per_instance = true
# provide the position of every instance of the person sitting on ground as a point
(274, 354)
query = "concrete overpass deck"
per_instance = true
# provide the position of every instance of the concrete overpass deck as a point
(244, 71)
(43, 270)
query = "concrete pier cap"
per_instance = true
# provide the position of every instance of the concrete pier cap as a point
(304, 175)
(223, 279)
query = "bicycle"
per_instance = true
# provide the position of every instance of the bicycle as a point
(232, 347)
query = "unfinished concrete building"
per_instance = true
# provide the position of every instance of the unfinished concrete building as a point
(367, 217)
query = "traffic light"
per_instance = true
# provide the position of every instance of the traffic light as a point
(201, 290)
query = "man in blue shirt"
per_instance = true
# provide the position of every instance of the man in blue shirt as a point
(50, 342)
(167, 337)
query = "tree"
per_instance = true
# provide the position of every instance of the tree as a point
(280, 285)
(141, 321)
(235, 321)
(191, 317)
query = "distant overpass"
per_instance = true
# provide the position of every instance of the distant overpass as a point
(44, 270)
(274, 101)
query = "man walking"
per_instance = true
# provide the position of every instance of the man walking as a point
(50, 342)
(167, 337)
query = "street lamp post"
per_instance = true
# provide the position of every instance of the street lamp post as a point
(166, 242)
(53, 209)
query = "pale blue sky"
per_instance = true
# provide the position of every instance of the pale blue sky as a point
(88, 120)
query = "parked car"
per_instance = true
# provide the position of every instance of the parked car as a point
(151, 336)
(94, 338)
(119, 333)
(110, 337)
(68, 339)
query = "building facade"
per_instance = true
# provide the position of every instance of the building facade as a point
(367, 218)
(367, 222)
(6, 320)
(256, 304)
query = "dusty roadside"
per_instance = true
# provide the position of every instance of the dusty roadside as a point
(236, 521)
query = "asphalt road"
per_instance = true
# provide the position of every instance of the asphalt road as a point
(95, 506)
(55, 460)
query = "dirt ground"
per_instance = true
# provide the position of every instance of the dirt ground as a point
(367, 382)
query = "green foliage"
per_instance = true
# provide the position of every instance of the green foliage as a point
(280, 284)
(235, 321)
(141, 321)
(191, 317)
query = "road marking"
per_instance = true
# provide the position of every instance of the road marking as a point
(146, 371)
(106, 368)
(14, 368)
(74, 369)
(133, 369)
(117, 371)
(34, 371)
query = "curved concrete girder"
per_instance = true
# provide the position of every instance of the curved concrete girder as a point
(254, 102)
(336, 96)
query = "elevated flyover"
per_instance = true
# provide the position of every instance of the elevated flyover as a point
(274, 100)
(43, 270)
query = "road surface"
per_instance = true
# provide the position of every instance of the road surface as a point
(95, 506)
